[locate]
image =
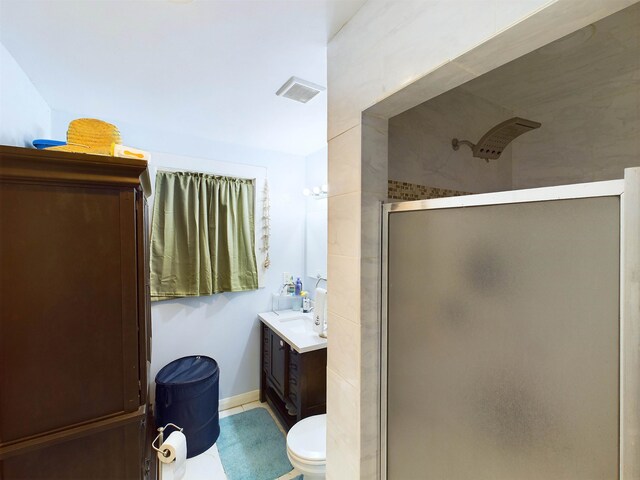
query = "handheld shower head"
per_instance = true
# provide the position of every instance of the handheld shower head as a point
(493, 143)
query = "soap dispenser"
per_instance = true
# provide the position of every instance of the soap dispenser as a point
(306, 303)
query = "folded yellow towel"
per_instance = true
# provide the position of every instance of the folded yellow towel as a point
(129, 152)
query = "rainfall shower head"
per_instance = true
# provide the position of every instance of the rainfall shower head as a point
(493, 143)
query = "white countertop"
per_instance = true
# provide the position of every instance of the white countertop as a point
(296, 328)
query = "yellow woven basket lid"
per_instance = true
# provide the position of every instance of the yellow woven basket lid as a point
(90, 135)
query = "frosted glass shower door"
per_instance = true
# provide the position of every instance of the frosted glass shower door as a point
(503, 351)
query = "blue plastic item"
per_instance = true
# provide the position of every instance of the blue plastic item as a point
(187, 395)
(41, 143)
(298, 287)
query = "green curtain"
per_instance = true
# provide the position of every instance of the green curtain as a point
(202, 235)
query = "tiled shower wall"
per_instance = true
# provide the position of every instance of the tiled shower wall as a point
(383, 48)
(420, 150)
(586, 99)
(412, 191)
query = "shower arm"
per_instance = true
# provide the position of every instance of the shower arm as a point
(455, 143)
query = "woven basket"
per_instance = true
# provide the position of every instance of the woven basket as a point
(90, 135)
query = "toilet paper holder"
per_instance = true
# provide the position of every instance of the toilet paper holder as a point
(160, 437)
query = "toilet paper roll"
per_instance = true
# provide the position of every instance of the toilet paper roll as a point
(171, 471)
(175, 464)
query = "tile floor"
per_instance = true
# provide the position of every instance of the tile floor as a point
(207, 466)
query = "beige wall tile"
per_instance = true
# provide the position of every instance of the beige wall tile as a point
(550, 23)
(343, 342)
(410, 52)
(343, 428)
(344, 224)
(602, 145)
(370, 315)
(344, 286)
(353, 76)
(344, 162)
(341, 415)
(371, 215)
(369, 464)
(344, 463)
(375, 132)
(389, 45)
(436, 81)
(370, 365)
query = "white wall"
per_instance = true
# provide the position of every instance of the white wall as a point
(224, 326)
(317, 167)
(24, 115)
(316, 223)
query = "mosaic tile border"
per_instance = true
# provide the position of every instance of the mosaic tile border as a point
(412, 191)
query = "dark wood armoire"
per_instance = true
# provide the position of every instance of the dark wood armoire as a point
(74, 317)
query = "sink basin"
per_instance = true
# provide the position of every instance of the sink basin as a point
(298, 324)
(295, 328)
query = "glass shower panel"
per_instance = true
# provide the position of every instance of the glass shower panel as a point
(503, 342)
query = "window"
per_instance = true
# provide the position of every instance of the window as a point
(202, 235)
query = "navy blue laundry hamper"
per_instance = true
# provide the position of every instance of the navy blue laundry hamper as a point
(187, 395)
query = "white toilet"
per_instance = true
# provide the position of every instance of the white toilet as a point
(307, 447)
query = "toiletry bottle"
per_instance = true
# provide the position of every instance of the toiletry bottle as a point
(306, 304)
(298, 286)
(296, 303)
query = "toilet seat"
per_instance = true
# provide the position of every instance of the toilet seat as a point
(307, 440)
(305, 460)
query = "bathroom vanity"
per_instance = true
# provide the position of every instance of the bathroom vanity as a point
(293, 370)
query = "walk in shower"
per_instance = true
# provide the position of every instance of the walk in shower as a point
(510, 335)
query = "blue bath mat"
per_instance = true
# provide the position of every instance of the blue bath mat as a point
(252, 447)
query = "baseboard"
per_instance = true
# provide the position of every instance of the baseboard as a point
(236, 401)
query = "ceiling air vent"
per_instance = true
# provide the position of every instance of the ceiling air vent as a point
(299, 90)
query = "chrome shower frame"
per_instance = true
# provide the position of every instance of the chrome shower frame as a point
(628, 191)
